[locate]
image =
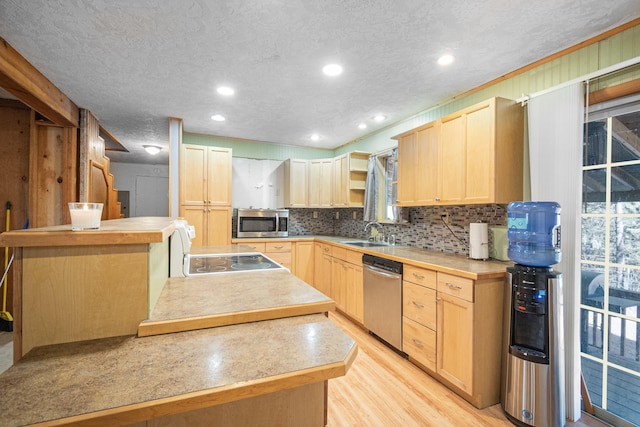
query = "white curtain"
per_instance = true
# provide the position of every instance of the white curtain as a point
(555, 150)
(371, 190)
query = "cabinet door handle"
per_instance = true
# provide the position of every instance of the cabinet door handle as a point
(419, 276)
(418, 304)
(452, 286)
(327, 249)
(438, 299)
(417, 343)
(437, 199)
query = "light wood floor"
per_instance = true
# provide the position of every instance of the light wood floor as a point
(384, 389)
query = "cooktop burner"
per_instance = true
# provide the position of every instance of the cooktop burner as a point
(228, 263)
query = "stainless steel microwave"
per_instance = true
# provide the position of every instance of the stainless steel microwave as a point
(262, 222)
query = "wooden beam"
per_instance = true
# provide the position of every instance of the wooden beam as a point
(26, 83)
(613, 92)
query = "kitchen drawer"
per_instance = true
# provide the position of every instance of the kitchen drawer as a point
(419, 304)
(340, 253)
(283, 258)
(419, 343)
(420, 276)
(255, 246)
(271, 247)
(456, 286)
(354, 257)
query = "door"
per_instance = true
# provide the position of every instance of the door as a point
(455, 341)
(610, 263)
(452, 159)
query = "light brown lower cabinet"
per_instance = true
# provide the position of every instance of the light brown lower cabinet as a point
(346, 282)
(303, 261)
(322, 268)
(452, 328)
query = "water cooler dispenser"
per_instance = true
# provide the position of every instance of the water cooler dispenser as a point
(533, 363)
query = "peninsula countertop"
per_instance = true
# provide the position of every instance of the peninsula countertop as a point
(131, 379)
(125, 231)
(205, 301)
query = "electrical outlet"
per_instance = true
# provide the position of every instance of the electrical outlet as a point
(355, 215)
(337, 215)
(315, 214)
(446, 217)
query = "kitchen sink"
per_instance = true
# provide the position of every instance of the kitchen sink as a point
(365, 244)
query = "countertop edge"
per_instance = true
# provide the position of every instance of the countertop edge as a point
(150, 327)
(206, 398)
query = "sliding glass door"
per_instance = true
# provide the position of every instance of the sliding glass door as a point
(610, 261)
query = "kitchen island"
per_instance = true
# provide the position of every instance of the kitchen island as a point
(267, 373)
(272, 372)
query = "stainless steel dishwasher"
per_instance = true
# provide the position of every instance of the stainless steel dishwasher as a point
(383, 298)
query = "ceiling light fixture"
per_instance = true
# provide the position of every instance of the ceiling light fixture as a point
(315, 137)
(152, 149)
(225, 90)
(332, 69)
(379, 118)
(445, 60)
(218, 118)
(362, 126)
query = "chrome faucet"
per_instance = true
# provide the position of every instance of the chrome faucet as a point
(378, 226)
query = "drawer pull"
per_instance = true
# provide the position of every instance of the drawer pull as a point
(452, 286)
(419, 276)
(417, 343)
(418, 304)
(278, 247)
(327, 249)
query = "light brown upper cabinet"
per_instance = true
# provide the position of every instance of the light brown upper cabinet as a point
(205, 192)
(205, 175)
(469, 157)
(296, 183)
(320, 183)
(418, 159)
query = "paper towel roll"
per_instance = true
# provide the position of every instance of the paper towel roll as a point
(478, 240)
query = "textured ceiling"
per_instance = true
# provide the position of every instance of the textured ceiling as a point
(136, 63)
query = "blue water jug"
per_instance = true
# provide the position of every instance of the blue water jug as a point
(534, 233)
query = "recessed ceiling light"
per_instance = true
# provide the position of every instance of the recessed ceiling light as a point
(362, 126)
(225, 90)
(315, 137)
(379, 118)
(152, 149)
(445, 60)
(332, 69)
(218, 118)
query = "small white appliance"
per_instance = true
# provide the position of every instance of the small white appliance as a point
(180, 247)
(478, 240)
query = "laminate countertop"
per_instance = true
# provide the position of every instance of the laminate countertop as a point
(458, 265)
(204, 301)
(125, 231)
(130, 379)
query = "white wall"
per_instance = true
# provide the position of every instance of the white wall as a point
(148, 187)
(257, 183)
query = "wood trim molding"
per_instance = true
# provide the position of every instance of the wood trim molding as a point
(613, 92)
(26, 83)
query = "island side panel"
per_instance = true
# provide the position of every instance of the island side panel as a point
(301, 406)
(75, 293)
(158, 271)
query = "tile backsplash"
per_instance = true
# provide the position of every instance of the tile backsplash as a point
(425, 230)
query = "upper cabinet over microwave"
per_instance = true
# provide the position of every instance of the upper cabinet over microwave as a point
(472, 156)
